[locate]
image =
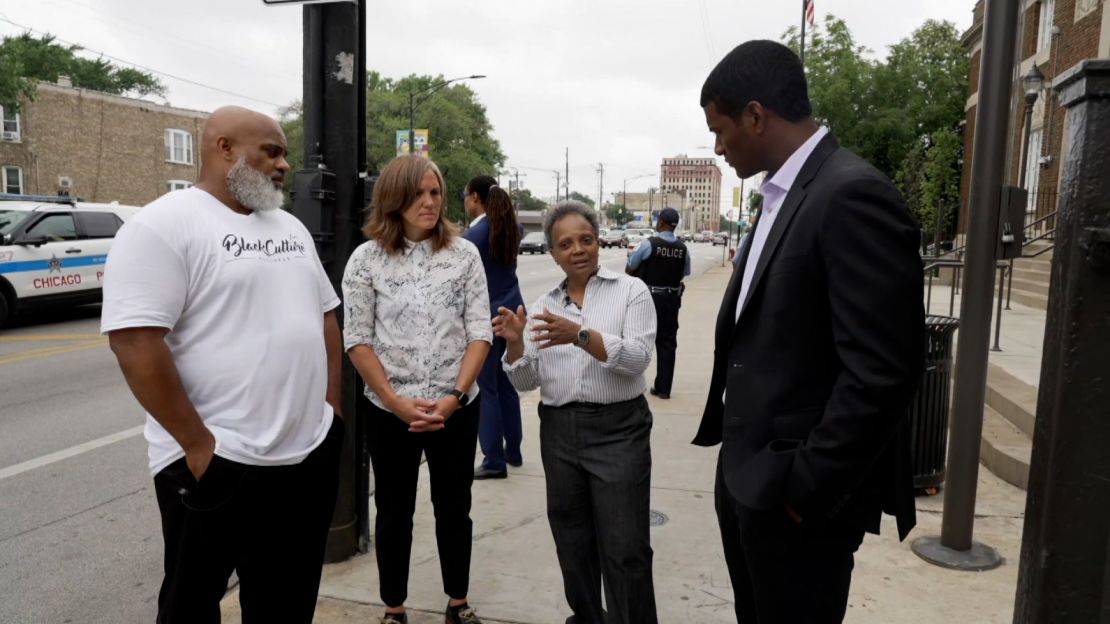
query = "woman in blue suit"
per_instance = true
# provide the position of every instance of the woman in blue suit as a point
(494, 231)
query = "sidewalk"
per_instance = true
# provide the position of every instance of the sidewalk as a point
(515, 576)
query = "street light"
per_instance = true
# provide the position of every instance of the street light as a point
(427, 92)
(624, 191)
(1032, 82)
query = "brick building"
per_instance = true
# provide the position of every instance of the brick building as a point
(98, 147)
(700, 181)
(1055, 35)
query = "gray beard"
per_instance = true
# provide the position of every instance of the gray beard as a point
(252, 188)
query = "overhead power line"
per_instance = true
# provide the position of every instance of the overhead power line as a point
(143, 67)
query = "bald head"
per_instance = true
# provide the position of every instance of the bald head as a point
(235, 135)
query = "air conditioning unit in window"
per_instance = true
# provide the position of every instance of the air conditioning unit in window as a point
(10, 135)
(65, 182)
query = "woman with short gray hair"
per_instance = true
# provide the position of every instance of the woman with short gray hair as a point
(587, 345)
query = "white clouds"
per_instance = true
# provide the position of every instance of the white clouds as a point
(616, 81)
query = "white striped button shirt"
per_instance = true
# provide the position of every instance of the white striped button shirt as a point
(617, 306)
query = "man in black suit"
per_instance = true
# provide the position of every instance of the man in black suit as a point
(819, 348)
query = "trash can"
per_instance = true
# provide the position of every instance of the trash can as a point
(929, 410)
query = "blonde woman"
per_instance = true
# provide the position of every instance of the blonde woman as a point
(418, 330)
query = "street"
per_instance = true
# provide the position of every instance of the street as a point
(79, 528)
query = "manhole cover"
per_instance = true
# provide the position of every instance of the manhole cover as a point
(657, 518)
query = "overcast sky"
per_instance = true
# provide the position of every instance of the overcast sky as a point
(616, 81)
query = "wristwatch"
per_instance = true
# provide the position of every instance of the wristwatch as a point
(583, 337)
(460, 396)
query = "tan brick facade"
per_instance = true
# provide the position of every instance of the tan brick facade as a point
(1082, 32)
(111, 148)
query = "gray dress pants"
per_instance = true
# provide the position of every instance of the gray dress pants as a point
(597, 458)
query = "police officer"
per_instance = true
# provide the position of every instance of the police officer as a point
(662, 261)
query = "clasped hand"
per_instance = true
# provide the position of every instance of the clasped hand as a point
(552, 329)
(423, 415)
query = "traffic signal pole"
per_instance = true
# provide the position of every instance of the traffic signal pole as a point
(329, 199)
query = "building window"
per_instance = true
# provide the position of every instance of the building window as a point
(1044, 24)
(11, 126)
(177, 185)
(13, 180)
(179, 147)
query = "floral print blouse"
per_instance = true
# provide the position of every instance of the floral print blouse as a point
(418, 310)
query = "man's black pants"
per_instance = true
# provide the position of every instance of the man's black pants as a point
(666, 339)
(395, 454)
(785, 572)
(269, 523)
(597, 460)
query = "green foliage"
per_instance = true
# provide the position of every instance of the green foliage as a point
(459, 132)
(575, 195)
(25, 59)
(523, 200)
(618, 214)
(895, 113)
(941, 185)
(755, 201)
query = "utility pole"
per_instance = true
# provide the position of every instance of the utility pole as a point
(955, 547)
(558, 178)
(600, 186)
(566, 178)
(329, 198)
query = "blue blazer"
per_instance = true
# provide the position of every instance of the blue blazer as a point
(504, 289)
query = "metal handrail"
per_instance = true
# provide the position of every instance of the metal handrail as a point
(934, 264)
(1048, 234)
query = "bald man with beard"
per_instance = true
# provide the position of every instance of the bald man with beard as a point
(222, 320)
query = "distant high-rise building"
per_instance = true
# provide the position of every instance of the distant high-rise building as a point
(693, 187)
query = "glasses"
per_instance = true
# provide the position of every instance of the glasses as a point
(463, 195)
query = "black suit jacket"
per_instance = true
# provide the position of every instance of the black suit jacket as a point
(827, 354)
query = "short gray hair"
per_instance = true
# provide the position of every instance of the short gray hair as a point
(566, 208)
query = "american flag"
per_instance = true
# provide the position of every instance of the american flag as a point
(811, 16)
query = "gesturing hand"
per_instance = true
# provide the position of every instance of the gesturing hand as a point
(419, 414)
(510, 325)
(554, 330)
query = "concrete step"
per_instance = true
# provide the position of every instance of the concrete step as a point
(1030, 285)
(1005, 450)
(1034, 274)
(1040, 263)
(1028, 298)
(1011, 398)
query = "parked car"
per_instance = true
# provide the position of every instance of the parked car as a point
(703, 236)
(533, 242)
(612, 238)
(634, 241)
(53, 249)
(720, 238)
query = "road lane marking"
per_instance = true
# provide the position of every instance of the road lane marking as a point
(48, 337)
(72, 451)
(47, 351)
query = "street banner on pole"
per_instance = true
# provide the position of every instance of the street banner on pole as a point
(736, 197)
(420, 136)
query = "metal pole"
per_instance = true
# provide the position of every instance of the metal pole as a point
(412, 123)
(998, 311)
(955, 548)
(1065, 564)
(802, 47)
(1010, 283)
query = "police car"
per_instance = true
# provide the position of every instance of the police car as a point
(52, 250)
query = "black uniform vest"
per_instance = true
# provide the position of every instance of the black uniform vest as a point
(665, 266)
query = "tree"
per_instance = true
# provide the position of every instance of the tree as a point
(940, 189)
(894, 112)
(575, 195)
(755, 201)
(523, 200)
(618, 214)
(459, 132)
(25, 60)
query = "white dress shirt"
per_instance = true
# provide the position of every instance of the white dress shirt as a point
(774, 192)
(617, 306)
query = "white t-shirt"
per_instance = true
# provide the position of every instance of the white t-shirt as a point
(244, 298)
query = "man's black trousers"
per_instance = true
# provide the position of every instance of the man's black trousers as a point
(784, 572)
(268, 523)
(395, 454)
(666, 339)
